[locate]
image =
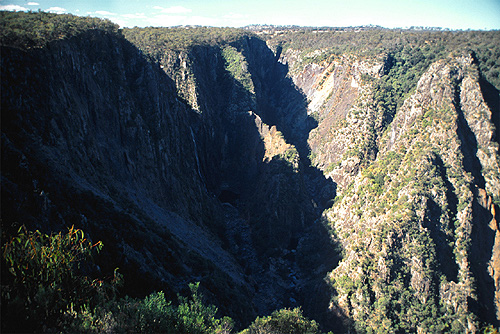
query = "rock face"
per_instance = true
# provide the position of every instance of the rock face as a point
(181, 167)
(338, 95)
(425, 189)
(216, 162)
(98, 135)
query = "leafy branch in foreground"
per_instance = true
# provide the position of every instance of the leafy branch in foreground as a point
(41, 277)
(44, 289)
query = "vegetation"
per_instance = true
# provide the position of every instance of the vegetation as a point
(283, 321)
(46, 289)
(402, 237)
(405, 222)
(405, 54)
(154, 41)
(238, 67)
(153, 314)
(417, 48)
(43, 276)
(32, 30)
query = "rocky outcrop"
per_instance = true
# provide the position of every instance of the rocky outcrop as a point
(422, 191)
(339, 91)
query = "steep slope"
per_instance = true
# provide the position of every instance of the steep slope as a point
(101, 140)
(178, 160)
(253, 152)
(417, 177)
(338, 90)
(418, 222)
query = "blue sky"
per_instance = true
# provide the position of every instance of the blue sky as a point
(454, 14)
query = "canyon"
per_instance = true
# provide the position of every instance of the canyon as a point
(275, 174)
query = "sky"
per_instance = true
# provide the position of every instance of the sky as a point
(453, 14)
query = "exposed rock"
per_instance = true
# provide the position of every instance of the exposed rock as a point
(423, 159)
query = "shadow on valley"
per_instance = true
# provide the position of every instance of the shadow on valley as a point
(272, 206)
(308, 246)
(483, 239)
(482, 236)
(176, 195)
(444, 251)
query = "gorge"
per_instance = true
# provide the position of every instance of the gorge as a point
(351, 172)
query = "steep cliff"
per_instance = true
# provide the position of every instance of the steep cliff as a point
(96, 136)
(253, 151)
(419, 194)
(177, 160)
(417, 176)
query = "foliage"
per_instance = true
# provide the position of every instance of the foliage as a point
(490, 330)
(402, 236)
(283, 321)
(153, 314)
(35, 29)
(44, 281)
(419, 47)
(238, 67)
(44, 276)
(155, 41)
(195, 317)
(291, 156)
(45, 289)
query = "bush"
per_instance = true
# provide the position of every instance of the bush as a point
(41, 279)
(43, 290)
(194, 317)
(284, 321)
(153, 314)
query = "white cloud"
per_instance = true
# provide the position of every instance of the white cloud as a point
(234, 20)
(13, 7)
(173, 10)
(33, 4)
(135, 16)
(201, 21)
(166, 20)
(234, 16)
(57, 10)
(129, 20)
(180, 20)
(104, 13)
(122, 23)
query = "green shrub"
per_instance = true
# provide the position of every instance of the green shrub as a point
(155, 314)
(284, 321)
(41, 279)
(195, 317)
(43, 290)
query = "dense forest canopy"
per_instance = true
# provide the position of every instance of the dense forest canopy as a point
(26, 30)
(31, 30)
(427, 45)
(153, 39)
